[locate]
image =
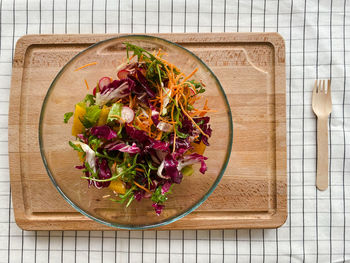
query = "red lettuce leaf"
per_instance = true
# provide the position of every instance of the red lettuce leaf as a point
(158, 208)
(103, 132)
(122, 147)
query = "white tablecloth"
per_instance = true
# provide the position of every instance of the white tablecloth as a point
(317, 46)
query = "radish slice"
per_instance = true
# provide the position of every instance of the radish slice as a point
(127, 114)
(123, 74)
(105, 81)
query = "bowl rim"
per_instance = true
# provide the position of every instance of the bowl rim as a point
(168, 220)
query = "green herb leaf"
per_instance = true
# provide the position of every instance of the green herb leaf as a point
(158, 197)
(116, 110)
(94, 142)
(180, 134)
(198, 86)
(90, 99)
(76, 147)
(67, 116)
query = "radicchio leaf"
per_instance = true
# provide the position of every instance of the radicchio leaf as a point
(122, 147)
(165, 187)
(158, 208)
(154, 115)
(144, 84)
(117, 89)
(90, 154)
(191, 159)
(136, 134)
(203, 124)
(83, 138)
(103, 132)
(168, 169)
(139, 195)
(103, 172)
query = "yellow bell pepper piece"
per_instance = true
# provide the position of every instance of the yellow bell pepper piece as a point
(197, 148)
(82, 159)
(103, 116)
(117, 186)
(77, 125)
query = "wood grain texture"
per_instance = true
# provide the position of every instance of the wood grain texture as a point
(251, 69)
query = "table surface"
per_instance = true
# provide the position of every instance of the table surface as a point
(317, 47)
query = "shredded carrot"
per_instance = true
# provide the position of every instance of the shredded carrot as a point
(139, 169)
(164, 120)
(205, 108)
(114, 166)
(142, 187)
(195, 124)
(189, 76)
(149, 122)
(87, 86)
(159, 136)
(130, 101)
(172, 118)
(168, 63)
(89, 64)
(178, 77)
(191, 86)
(132, 57)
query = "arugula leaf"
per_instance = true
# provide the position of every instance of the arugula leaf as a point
(155, 67)
(198, 86)
(91, 116)
(123, 197)
(89, 169)
(94, 142)
(76, 147)
(119, 133)
(180, 134)
(158, 197)
(177, 117)
(165, 136)
(116, 110)
(67, 116)
(90, 98)
(189, 107)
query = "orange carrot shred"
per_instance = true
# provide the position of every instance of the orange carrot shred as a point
(172, 119)
(89, 64)
(159, 136)
(142, 187)
(189, 76)
(139, 169)
(87, 86)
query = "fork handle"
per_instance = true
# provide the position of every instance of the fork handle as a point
(322, 153)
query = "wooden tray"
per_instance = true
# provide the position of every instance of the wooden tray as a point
(251, 68)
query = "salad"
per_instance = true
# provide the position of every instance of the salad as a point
(140, 132)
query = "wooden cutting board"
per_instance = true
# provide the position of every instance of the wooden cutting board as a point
(250, 67)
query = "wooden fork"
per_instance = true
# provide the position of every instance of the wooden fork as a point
(322, 107)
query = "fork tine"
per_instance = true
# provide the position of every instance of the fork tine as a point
(329, 88)
(314, 91)
(319, 89)
(324, 86)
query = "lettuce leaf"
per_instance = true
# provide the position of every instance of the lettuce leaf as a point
(116, 110)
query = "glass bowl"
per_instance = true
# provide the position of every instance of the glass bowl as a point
(68, 88)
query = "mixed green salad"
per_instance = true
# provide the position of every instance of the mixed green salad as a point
(139, 133)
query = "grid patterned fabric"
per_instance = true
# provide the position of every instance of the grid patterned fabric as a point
(317, 46)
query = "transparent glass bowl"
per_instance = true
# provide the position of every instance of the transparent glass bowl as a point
(68, 88)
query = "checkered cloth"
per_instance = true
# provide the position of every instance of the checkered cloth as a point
(317, 47)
